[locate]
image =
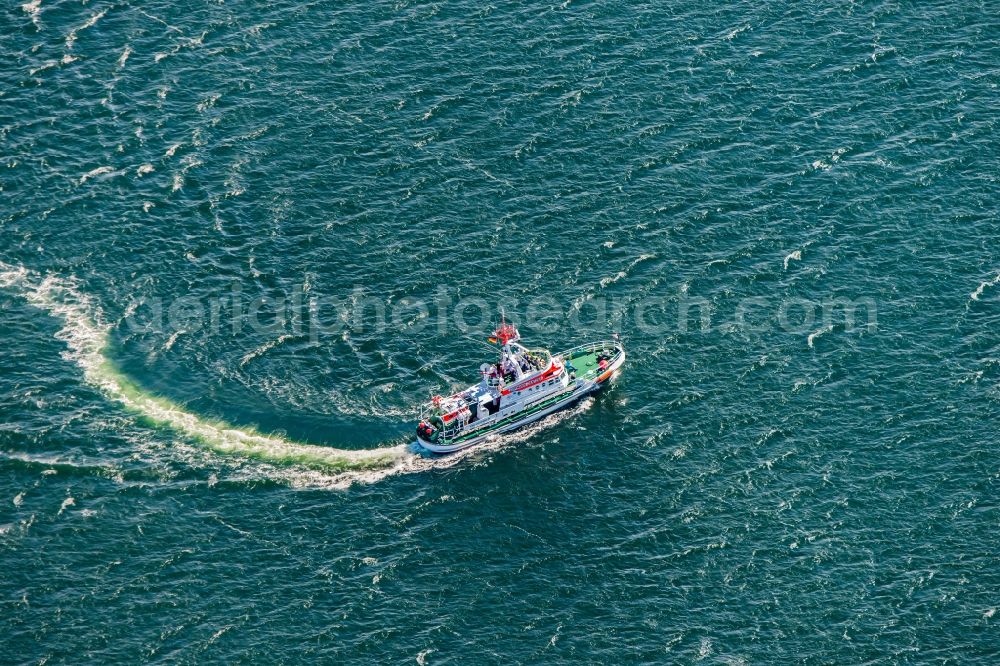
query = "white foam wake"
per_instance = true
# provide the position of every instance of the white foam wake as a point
(89, 23)
(793, 256)
(815, 334)
(93, 173)
(86, 338)
(620, 275)
(263, 349)
(982, 287)
(33, 8)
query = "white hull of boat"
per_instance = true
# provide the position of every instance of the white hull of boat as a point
(582, 390)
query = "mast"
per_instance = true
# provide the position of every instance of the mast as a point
(507, 334)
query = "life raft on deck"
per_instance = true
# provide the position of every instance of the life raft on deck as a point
(430, 430)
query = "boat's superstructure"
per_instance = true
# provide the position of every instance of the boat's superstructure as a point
(522, 387)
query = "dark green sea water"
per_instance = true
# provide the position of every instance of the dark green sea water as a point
(779, 487)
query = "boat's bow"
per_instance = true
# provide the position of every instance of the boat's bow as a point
(596, 362)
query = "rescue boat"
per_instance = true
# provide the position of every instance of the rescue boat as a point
(523, 386)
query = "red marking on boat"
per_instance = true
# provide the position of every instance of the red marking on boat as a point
(505, 333)
(553, 370)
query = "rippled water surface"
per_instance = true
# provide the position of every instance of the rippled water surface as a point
(769, 485)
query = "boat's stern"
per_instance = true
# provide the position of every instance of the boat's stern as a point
(429, 432)
(431, 436)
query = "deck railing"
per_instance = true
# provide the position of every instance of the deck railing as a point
(600, 345)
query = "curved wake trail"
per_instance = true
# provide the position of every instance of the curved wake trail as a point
(86, 340)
